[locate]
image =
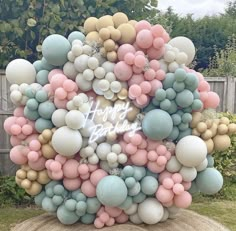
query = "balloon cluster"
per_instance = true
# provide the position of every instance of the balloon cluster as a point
(111, 125)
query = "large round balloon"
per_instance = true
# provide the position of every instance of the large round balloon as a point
(191, 151)
(157, 124)
(111, 191)
(55, 48)
(66, 141)
(185, 45)
(209, 181)
(20, 71)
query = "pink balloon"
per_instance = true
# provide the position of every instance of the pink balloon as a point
(140, 61)
(154, 64)
(113, 211)
(60, 93)
(178, 189)
(97, 175)
(161, 160)
(129, 58)
(17, 157)
(92, 167)
(33, 156)
(27, 129)
(157, 30)
(135, 91)
(15, 141)
(158, 43)
(136, 139)
(55, 166)
(187, 185)
(142, 100)
(154, 53)
(15, 129)
(203, 96)
(152, 156)
(212, 101)
(164, 195)
(136, 79)
(70, 168)
(57, 80)
(160, 75)
(60, 159)
(183, 200)
(60, 103)
(154, 167)
(156, 84)
(177, 178)
(21, 121)
(161, 150)
(123, 71)
(139, 158)
(68, 85)
(35, 145)
(56, 175)
(122, 218)
(168, 183)
(88, 189)
(164, 175)
(130, 149)
(144, 39)
(98, 223)
(123, 50)
(137, 70)
(111, 222)
(72, 184)
(19, 111)
(150, 74)
(203, 86)
(38, 165)
(83, 169)
(142, 25)
(104, 217)
(54, 72)
(71, 95)
(166, 37)
(146, 87)
(8, 123)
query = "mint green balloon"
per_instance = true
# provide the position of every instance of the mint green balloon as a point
(174, 134)
(187, 110)
(157, 124)
(139, 172)
(150, 106)
(48, 205)
(196, 95)
(88, 218)
(197, 104)
(65, 216)
(76, 35)
(160, 94)
(57, 200)
(38, 65)
(139, 198)
(155, 102)
(55, 48)
(41, 96)
(184, 133)
(184, 98)
(209, 181)
(165, 104)
(46, 109)
(111, 191)
(29, 92)
(134, 190)
(187, 118)
(39, 198)
(149, 185)
(81, 207)
(128, 171)
(93, 205)
(178, 86)
(193, 189)
(130, 182)
(31, 115)
(191, 82)
(210, 161)
(176, 119)
(170, 93)
(42, 124)
(180, 75)
(70, 204)
(173, 107)
(32, 104)
(42, 77)
(183, 126)
(127, 203)
(45, 65)
(168, 81)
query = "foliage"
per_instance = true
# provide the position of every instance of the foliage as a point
(225, 161)
(224, 61)
(25, 23)
(11, 193)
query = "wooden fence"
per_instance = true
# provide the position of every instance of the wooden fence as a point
(224, 87)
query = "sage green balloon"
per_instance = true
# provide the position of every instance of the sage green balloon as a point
(184, 133)
(48, 205)
(197, 104)
(157, 124)
(165, 104)
(139, 198)
(173, 107)
(174, 134)
(93, 205)
(180, 75)
(160, 94)
(38, 65)
(183, 126)
(170, 93)
(76, 35)
(31, 115)
(39, 198)
(176, 119)
(46, 109)
(187, 118)
(55, 48)
(209, 181)
(46, 66)
(178, 86)
(32, 104)
(210, 161)
(65, 216)
(88, 218)
(41, 96)
(168, 81)
(42, 124)
(184, 98)
(111, 191)
(127, 203)
(42, 77)
(149, 185)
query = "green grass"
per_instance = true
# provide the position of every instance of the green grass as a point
(10, 216)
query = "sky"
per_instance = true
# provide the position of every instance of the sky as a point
(199, 8)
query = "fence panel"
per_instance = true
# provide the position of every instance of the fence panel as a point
(224, 87)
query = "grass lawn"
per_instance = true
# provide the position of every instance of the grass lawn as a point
(222, 211)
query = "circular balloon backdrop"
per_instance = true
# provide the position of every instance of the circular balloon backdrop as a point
(111, 125)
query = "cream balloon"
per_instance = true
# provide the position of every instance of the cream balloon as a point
(20, 71)
(66, 141)
(185, 45)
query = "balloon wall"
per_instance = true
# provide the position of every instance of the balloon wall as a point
(112, 126)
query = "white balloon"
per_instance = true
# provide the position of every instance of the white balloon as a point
(165, 215)
(108, 66)
(58, 117)
(173, 66)
(69, 70)
(81, 63)
(188, 174)
(20, 71)
(173, 165)
(83, 84)
(66, 141)
(75, 119)
(202, 166)
(132, 209)
(185, 45)
(87, 130)
(191, 151)
(102, 150)
(150, 211)
(135, 219)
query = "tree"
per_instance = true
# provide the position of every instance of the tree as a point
(25, 23)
